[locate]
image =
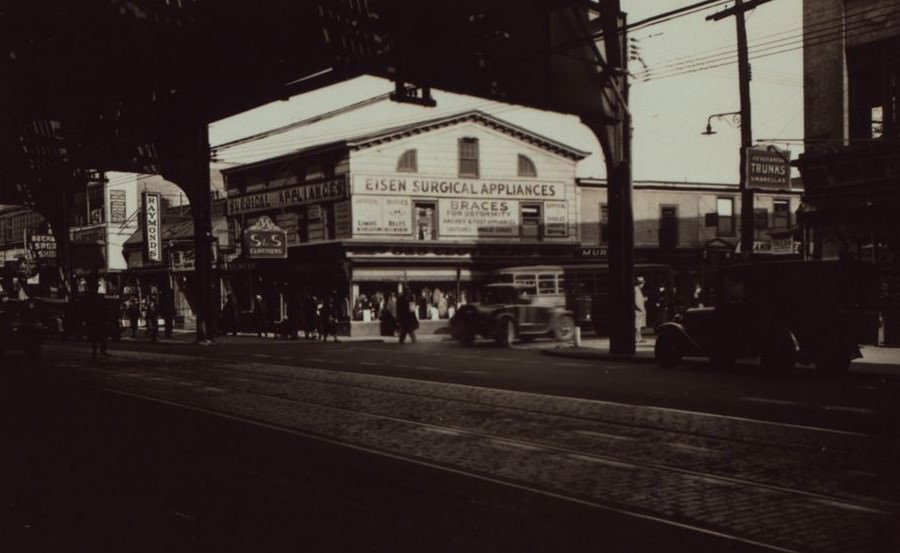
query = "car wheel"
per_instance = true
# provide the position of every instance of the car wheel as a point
(833, 364)
(779, 354)
(722, 361)
(564, 328)
(667, 351)
(467, 338)
(507, 333)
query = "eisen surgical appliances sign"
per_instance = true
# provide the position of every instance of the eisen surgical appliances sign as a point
(458, 188)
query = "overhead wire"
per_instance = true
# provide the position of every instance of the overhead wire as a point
(823, 30)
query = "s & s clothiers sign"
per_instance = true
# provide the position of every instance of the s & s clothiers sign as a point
(265, 240)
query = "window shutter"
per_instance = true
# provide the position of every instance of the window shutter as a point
(711, 219)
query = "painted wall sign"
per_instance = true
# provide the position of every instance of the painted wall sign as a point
(479, 218)
(314, 192)
(152, 228)
(379, 215)
(343, 223)
(556, 219)
(118, 212)
(457, 188)
(265, 240)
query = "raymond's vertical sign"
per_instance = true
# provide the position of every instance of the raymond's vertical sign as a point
(152, 228)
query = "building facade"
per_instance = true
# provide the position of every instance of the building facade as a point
(433, 206)
(693, 227)
(851, 167)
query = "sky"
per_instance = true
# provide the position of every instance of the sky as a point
(669, 110)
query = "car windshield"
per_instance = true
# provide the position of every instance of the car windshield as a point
(505, 294)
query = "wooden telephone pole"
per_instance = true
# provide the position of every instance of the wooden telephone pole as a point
(738, 10)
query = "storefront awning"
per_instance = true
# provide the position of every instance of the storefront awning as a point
(423, 274)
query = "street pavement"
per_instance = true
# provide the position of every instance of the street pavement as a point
(762, 484)
(754, 483)
(876, 360)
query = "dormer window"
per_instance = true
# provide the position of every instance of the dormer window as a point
(408, 162)
(468, 157)
(526, 167)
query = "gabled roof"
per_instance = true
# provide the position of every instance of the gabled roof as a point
(350, 141)
(474, 116)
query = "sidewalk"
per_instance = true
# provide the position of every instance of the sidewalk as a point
(880, 360)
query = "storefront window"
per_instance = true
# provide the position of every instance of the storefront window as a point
(725, 212)
(531, 221)
(426, 220)
(604, 223)
(781, 215)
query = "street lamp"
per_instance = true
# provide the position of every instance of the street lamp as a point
(735, 117)
(738, 118)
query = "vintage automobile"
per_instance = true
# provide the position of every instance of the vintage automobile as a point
(781, 312)
(20, 326)
(510, 311)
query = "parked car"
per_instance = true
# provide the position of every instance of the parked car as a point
(510, 311)
(782, 312)
(20, 326)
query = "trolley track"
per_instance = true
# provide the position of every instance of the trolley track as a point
(548, 444)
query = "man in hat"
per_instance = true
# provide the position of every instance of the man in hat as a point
(640, 309)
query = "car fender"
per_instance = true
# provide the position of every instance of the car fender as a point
(501, 319)
(691, 347)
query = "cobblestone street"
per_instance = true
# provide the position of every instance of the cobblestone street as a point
(780, 486)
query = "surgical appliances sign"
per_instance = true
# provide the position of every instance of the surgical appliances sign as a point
(380, 215)
(479, 218)
(315, 192)
(458, 188)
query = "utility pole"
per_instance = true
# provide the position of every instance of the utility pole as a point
(738, 10)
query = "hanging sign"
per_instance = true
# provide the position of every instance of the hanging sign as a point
(768, 168)
(152, 228)
(265, 240)
(42, 246)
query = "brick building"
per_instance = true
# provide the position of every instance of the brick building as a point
(851, 168)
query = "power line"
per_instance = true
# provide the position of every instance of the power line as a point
(822, 32)
(758, 47)
(783, 48)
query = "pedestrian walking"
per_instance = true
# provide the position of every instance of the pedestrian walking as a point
(406, 316)
(640, 310)
(310, 316)
(294, 314)
(229, 316)
(133, 311)
(167, 311)
(151, 317)
(96, 318)
(260, 317)
(328, 318)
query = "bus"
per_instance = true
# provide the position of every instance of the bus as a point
(583, 288)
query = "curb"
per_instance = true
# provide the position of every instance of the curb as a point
(594, 354)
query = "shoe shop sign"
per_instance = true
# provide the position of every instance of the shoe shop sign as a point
(265, 240)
